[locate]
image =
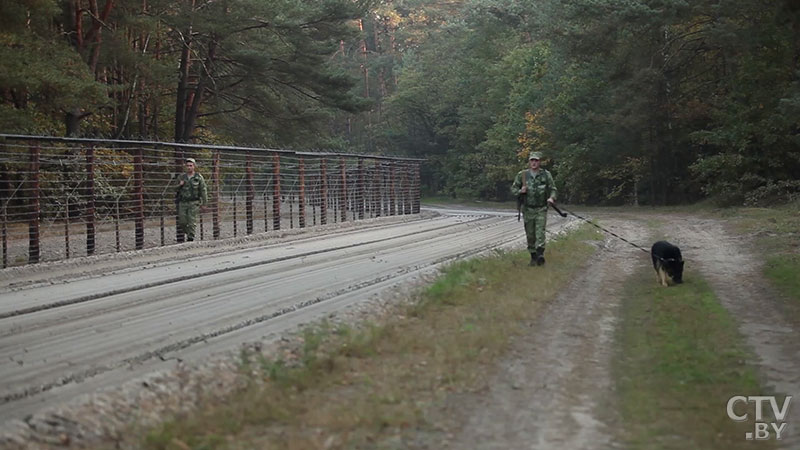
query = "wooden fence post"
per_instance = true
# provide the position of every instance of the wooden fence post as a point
(360, 201)
(216, 183)
(138, 181)
(276, 192)
(323, 204)
(180, 164)
(33, 219)
(417, 191)
(392, 190)
(66, 227)
(301, 208)
(343, 193)
(251, 194)
(90, 220)
(5, 234)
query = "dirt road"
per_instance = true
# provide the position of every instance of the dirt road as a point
(734, 270)
(62, 336)
(554, 390)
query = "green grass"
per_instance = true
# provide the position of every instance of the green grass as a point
(364, 387)
(784, 271)
(680, 358)
(775, 233)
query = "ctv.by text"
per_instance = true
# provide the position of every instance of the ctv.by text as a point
(762, 430)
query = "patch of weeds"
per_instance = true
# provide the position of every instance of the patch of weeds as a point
(783, 270)
(587, 233)
(776, 235)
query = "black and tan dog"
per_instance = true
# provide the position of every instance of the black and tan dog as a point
(667, 261)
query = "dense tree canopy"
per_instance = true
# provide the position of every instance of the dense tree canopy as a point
(642, 101)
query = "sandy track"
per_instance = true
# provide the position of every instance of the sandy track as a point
(69, 338)
(553, 389)
(735, 273)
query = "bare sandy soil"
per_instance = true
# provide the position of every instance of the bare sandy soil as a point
(71, 332)
(554, 390)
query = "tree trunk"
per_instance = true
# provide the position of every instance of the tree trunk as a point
(183, 80)
(72, 121)
(199, 92)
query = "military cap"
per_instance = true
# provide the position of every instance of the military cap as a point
(535, 155)
(191, 160)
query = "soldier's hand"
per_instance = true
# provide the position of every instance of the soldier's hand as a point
(550, 201)
(524, 190)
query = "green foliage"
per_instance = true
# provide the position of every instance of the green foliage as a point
(650, 102)
(644, 102)
(40, 76)
(255, 72)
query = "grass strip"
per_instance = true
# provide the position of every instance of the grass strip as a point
(775, 231)
(783, 270)
(680, 358)
(374, 386)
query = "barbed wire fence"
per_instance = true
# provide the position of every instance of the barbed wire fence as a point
(67, 197)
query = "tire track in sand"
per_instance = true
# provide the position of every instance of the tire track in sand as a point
(735, 273)
(553, 389)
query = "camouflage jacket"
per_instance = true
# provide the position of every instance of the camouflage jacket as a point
(540, 187)
(193, 190)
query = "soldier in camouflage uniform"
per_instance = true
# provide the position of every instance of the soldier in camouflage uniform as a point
(540, 190)
(192, 194)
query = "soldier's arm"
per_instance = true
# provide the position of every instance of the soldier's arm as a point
(203, 191)
(178, 188)
(553, 189)
(517, 185)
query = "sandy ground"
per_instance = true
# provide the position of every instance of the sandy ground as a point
(71, 332)
(555, 391)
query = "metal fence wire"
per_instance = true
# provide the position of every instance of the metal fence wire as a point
(68, 197)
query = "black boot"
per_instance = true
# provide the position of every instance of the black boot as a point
(540, 257)
(533, 259)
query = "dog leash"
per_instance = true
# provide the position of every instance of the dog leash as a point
(601, 228)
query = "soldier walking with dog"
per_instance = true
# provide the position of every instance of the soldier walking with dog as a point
(535, 188)
(191, 196)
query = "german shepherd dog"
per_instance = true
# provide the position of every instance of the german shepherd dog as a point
(667, 261)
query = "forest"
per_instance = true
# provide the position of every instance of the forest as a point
(643, 102)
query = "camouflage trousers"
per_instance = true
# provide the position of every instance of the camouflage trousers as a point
(187, 218)
(535, 223)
